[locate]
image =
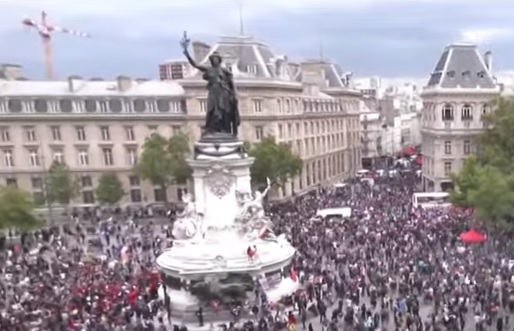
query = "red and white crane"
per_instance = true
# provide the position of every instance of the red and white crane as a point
(45, 31)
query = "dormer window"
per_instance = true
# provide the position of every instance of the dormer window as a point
(466, 74)
(451, 74)
(251, 69)
(481, 74)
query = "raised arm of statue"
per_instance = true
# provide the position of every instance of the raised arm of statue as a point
(268, 182)
(185, 45)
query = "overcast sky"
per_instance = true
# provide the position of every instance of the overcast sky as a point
(388, 38)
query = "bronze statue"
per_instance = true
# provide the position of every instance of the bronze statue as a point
(222, 108)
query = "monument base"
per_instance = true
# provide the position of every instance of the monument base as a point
(228, 248)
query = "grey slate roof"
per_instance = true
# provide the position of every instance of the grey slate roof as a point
(332, 73)
(250, 58)
(461, 66)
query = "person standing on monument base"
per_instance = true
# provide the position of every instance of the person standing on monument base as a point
(222, 107)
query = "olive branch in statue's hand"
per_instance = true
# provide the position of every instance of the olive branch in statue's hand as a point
(185, 41)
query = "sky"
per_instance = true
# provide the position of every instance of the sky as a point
(386, 38)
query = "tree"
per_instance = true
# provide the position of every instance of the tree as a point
(493, 198)
(60, 185)
(110, 189)
(486, 182)
(164, 161)
(274, 161)
(17, 210)
(465, 182)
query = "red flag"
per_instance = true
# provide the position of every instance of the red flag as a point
(294, 275)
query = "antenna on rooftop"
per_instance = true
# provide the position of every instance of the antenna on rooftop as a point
(241, 18)
(320, 48)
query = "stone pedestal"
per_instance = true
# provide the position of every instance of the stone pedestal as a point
(221, 168)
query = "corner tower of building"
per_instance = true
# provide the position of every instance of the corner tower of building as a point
(458, 93)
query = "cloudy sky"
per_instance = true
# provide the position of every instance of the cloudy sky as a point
(388, 38)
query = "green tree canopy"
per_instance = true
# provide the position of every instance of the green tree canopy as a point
(486, 182)
(61, 187)
(17, 210)
(110, 189)
(163, 161)
(274, 161)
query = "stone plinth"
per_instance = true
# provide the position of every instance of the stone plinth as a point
(221, 244)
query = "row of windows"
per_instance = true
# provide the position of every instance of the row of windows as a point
(93, 106)
(466, 147)
(36, 159)
(81, 132)
(87, 190)
(467, 111)
(318, 127)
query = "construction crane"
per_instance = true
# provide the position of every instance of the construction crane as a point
(45, 31)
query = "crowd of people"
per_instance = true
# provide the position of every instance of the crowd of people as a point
(388, 266)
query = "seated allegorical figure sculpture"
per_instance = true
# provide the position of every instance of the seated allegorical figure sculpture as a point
(251, 211)
(187, 225)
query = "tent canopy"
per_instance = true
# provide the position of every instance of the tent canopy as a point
(472, 237)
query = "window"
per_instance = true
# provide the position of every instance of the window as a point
(257, 106)
(467, 147)
(447, 168)
(11, 181)
(451, 74)
(135, 195)
(131, 156)
(259, 132)
(280, 131)
(88, 197)
(34, 157)
(485, 109)
(5, 135)
(81, 133)
(86, 181)
(467, 112)
(129, 133)
(37, 183)
(288, 105)
(159, 195)
(447, 112)
(58, 156)
(104, 106)
(56, 133)
(107, 153)
(152, 129)
(447, 147)
(279, 105)
(30, 133)
(251, 69)
(176, 130)
(8, 158)
(83, 157)
(134, 180)
(106, 134)
(203, 105)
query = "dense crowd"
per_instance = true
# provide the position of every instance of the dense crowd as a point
(388, 266)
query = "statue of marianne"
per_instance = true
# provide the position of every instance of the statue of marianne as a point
(222, 107)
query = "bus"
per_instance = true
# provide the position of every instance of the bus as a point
(431, 200)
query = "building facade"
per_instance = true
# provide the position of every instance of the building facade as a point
(458, 93)
(99, 127)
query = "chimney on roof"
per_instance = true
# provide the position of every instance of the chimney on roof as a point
(74, 82)
(124, 83)
(488, 59)
(200, 50)
(11, 71)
